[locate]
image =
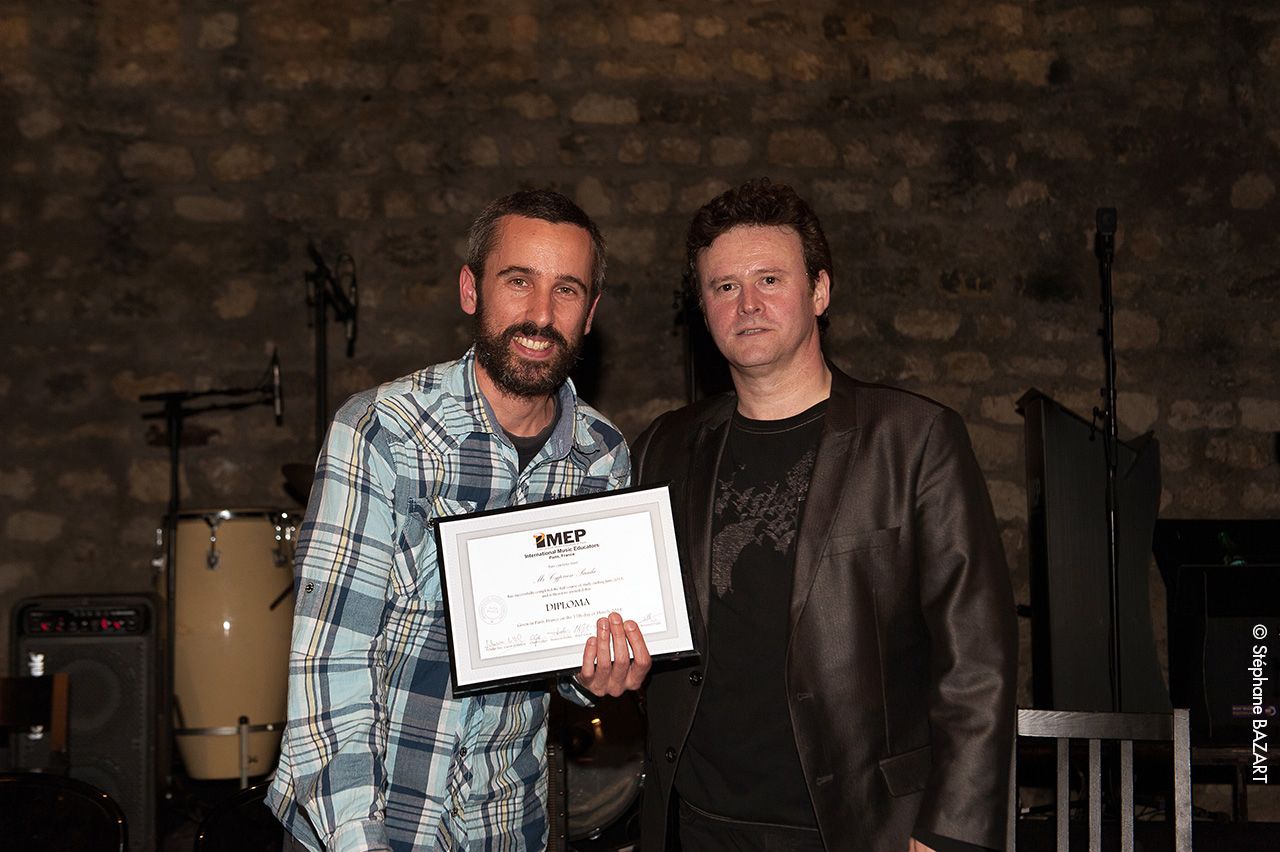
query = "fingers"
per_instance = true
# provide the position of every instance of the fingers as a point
(640, 659)
(603, 663)
(596, 669)
(616, 659)
(621, 655)
(588, 662)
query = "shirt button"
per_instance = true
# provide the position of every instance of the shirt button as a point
(695, 677)
(671, 755)
(462, 752)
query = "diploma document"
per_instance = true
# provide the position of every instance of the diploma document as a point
(524, 585)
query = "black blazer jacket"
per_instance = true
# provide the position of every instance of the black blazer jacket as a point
(902, 652)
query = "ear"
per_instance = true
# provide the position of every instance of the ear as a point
(821, 293)
(467, 290)
(586, 328)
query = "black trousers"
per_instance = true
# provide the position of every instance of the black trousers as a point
(290, 844)
(701, 831)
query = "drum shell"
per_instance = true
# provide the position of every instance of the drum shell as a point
(231, 646)
(604, 765)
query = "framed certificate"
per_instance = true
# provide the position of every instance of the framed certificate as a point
(524, 585)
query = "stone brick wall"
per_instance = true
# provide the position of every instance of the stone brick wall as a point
(164, 164)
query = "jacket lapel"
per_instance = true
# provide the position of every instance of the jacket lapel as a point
(707, 447)
(830, 477)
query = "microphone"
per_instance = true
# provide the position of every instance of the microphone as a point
(355, 312)
(277, 396)
(318, 260)
(1104, 242)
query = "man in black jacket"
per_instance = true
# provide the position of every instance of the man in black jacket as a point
(854, 617)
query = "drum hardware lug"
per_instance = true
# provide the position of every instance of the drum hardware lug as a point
(213, 521)
(242, 733)
(159, 557)
(285, 534)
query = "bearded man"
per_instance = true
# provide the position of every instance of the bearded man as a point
(378, 753)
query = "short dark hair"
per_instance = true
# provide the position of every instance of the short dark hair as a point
(757, 202)
(545, 204)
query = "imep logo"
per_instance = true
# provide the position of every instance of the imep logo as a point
(555, 539)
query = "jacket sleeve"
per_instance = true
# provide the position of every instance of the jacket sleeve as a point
(337, 729)
(968, 608)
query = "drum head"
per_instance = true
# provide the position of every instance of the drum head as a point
(219, 513)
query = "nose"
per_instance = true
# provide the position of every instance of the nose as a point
(748, 300)
(540, 309)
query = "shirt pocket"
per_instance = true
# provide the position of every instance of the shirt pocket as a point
(446, 506)
(593, 484)
(417, 557)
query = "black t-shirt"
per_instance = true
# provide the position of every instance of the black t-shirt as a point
(528, 447)
(740, 760)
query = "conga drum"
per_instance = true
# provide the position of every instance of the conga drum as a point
(233, 613)
(604, 747)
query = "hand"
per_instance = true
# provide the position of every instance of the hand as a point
(917, 846)
(626, 670)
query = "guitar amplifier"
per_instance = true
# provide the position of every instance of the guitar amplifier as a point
(107, 644)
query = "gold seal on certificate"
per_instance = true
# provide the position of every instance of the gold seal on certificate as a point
(524, 585)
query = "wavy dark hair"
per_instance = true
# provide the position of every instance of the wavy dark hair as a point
(545, 204)
(757, 202)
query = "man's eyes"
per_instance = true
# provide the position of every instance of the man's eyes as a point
(560, 289)
(727, 286)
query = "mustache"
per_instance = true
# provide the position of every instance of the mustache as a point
(530, 329)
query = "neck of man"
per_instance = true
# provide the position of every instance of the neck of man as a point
(520, 415)
(786, 388)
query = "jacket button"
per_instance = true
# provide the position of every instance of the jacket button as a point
(695, 677)
(670, 755)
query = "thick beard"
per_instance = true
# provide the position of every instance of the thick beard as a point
(516, 376)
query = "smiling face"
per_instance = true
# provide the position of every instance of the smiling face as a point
(533, 307)
(760, 305)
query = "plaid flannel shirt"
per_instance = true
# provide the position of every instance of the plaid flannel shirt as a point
(378, 754)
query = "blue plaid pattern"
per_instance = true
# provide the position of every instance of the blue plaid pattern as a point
(378, 754)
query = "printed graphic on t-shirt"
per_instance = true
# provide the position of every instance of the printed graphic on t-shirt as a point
(756, 514)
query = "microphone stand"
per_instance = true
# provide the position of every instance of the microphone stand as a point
(1104, 249)
(325, 290)
(174, 412)
(683, 326)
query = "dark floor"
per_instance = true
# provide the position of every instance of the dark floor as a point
(245, 822)
(247, 826)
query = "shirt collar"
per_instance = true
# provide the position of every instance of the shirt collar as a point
(565, 437)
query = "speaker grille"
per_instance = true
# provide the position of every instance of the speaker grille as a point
(112, 738)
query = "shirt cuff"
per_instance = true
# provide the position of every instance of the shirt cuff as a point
(572, 691)
(365, 835)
